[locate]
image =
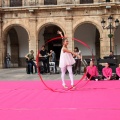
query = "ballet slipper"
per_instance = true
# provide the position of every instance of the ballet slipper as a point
(65, 86)
(73, 86)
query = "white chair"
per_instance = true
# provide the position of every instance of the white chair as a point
(52, 66)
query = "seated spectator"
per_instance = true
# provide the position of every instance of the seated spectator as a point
(53, 58)
(112, 56)
(30, 61)
(92, 71)
(45, 59)
(107, 72)
(118, 73)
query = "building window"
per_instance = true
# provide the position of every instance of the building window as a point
(107, 0)
(15, 3)
(86, 1)
(50, 2)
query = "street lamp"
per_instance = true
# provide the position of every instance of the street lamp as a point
(110, 19)
(116, 23)
(110, 27)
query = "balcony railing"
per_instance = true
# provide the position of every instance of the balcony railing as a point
(21, 3)
(15, 3)
(50, 2)
(86, 1)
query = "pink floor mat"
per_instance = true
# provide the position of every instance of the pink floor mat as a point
(30, 100)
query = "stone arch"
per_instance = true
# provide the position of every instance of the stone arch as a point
(116, 43)
(16, 43)
(47, 24)
(7, 27)
(95, 35)
(39, 27)
(48, 31)
(91, 21)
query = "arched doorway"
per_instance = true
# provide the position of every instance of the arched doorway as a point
(117, 44)
(89, 34)
(48, 32)
(17, 45)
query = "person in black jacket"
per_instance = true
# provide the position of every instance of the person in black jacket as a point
(44, 57)
(112, 56)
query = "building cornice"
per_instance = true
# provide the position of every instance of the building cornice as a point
(61, 7)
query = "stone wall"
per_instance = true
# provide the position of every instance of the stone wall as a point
(67, 17)
(6, 3)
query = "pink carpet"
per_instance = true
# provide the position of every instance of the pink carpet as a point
(30, 100)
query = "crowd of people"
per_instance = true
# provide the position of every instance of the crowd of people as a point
(45, 57)
(69, 61)
(74, 59)
(92, 72)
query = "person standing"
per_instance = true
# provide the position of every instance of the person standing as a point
(44, 57)
(66, 61)
(30, 61)
(77, 66)
(8, 60)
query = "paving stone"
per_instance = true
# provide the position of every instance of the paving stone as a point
(20, 74)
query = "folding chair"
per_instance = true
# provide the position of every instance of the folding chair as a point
(52, 66)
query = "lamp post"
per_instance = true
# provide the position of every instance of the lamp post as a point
(110, 27)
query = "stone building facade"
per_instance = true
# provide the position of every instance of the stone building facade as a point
(27, 24)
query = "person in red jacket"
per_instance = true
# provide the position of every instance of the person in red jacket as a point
(92, 71)
(107, 72)
(118, 72)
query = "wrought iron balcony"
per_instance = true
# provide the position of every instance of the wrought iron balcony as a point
(15, 3)
(50, 2)
(18, 3)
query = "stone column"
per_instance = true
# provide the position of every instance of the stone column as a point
(68, 1)
(105, 44)
(41, 2)
(1, 50)
(3, 3)
(0, 3)
(59, 2)
(23, 3)
(96, 1)
(69, 31)
(33, 42)
(7, 3)
(2, 45)
(77, 1)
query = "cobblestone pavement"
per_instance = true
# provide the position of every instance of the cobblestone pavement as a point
(20, 74)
